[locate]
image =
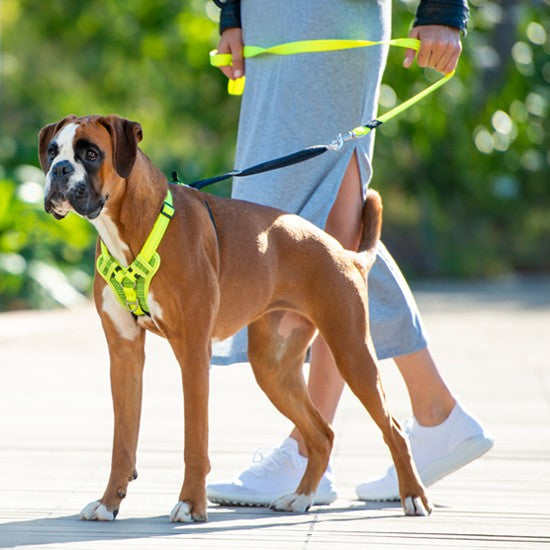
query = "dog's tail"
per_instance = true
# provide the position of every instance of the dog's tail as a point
(372, 221)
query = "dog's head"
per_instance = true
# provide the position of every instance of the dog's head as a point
(84, 160)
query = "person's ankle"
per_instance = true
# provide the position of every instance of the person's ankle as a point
(295, 434)
(435, 413)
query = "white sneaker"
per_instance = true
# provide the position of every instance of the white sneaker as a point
(269, 477)
(437, 452)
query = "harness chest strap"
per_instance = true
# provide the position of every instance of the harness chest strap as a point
(131, 284)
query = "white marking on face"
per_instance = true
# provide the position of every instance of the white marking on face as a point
(64, 140)
(109, 234)
(121, 317)
(65, 152)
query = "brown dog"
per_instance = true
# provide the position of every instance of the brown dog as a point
(225, 264)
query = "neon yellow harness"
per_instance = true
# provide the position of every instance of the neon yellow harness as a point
(131, 285)
(236, 87)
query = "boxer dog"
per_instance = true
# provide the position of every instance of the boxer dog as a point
(225, 264)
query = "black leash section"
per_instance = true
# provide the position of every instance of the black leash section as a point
(281, 162)
(274, 164)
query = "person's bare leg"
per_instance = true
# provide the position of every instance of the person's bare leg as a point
(431, 399)
(344, 223)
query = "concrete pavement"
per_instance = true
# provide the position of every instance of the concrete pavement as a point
(491, 340)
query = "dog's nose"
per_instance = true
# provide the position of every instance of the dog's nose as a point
(62, 168)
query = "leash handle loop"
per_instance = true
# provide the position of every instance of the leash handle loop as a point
(310, 46)
(236, 87)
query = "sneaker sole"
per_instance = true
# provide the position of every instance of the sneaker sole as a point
(231, 500)
(464, 453)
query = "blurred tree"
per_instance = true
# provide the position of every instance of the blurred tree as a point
(464, 174)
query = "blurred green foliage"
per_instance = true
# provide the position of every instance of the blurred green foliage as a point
(464, 175)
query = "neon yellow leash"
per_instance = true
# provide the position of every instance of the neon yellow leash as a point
(131, 284)
(236, 87)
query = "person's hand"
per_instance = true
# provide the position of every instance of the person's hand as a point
(440, 47)
(231, 41)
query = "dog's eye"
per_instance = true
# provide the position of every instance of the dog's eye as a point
(91, 155)
(51, 153)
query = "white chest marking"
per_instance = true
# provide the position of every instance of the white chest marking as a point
(109, 234)
(122, 319)
(155, 308)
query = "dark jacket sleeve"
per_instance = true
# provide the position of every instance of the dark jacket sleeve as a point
(452, 13)
(230, 15)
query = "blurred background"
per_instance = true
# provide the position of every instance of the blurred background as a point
(465, 175)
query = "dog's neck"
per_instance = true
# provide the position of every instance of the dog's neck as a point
(141, 199)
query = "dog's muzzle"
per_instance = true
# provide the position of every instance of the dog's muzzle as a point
(64, 195)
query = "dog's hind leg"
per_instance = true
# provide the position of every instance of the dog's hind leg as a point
(354, 356)
(277, 345)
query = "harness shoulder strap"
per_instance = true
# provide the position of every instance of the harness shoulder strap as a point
(131, 285)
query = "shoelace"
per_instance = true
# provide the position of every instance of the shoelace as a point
(269, 460)
(408, 427)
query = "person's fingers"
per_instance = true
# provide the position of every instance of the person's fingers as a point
(231, 42)
(440, 47)
(424, 53)
(409, 58)
(409, 53)
(238, 62)
(443, 53)
(452, 62)
(227, 71)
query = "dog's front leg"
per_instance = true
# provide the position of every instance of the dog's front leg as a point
(194, 359)
(126, 350)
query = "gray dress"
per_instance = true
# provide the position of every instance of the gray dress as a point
(291, 102)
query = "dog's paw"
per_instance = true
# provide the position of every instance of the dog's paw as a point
(183, 513)
(95, 511)
(413, 506)
(293, 503)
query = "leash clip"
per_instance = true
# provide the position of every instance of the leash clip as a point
(338, 143)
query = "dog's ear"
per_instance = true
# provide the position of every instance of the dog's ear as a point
(45, 136)
(125, 136)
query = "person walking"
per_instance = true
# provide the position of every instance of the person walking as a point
(295, 101)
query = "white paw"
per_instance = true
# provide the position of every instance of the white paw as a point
(97, 511)
(413, 506)
(293, 503)
(181, 513)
